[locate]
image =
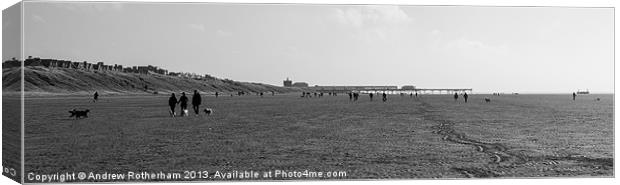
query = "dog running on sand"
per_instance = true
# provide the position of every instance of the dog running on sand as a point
(487, 99)
(79, 113)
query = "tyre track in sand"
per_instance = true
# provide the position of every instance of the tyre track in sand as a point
(499, 153)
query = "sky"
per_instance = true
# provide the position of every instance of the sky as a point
(489, 49)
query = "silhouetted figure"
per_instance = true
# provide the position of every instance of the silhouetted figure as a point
(350, 96)
(196, 101)
(95, 97)
(216, 94)
(183, 101)
(416, 94)
(456, 96)
(384, 97)
(410, 95)
(355, 96)
(261, 94)
(574, 95)
(172, 102)
(370, 96)
(465, 96)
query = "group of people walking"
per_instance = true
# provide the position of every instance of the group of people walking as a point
(383, 95)
(465, 96)
(353, 96)
(183, 100)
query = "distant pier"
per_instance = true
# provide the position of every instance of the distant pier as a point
(387, 89)
(448, 91)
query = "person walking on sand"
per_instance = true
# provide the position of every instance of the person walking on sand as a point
(95, 96)
(183, 101)
(456, 96)
(384, 97)
(216, 94)
(465, 96)
(574, 95)
(370, 96)
(172, 102)
(196, 101)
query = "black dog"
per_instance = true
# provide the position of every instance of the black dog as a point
(79, 113)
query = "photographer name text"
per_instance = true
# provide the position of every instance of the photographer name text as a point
(181, 176)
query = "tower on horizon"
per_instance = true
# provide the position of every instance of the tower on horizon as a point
(288, 83)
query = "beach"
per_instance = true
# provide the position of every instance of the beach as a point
(431, 136)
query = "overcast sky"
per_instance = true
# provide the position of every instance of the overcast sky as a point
(489, 49)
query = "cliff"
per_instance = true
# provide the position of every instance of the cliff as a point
(72, 81)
